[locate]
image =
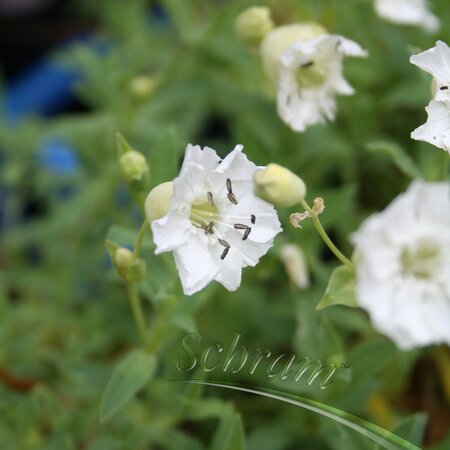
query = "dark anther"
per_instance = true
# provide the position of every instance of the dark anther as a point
(253, 219)
(232, 198)
(210, 198)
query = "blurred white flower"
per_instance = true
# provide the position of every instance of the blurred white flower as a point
(294, 262)
(436, 130)
(310, 75)
(436, 62)
(215, 225)
(407, 12)
(403, 266)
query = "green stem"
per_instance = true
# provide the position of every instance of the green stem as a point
(138, 312)
(323, 234)
(140, 239)
(133, 293)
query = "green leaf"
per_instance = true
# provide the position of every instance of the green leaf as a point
(412, 428)
(230, 434)
(340, 289)
(398, 155)
(130, 375)
(165, 157)
(122, 145)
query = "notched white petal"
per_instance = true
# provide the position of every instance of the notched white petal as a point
(436, 130)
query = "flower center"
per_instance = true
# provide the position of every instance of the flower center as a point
(421, 262)
(203, 212)
(310, 75)
(205, 215)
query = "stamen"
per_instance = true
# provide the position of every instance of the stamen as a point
(230, 190)
(225, 253)
(226, 249)
(232, 198)
(240, 226)
(209, 228)
(224, 243)
(443, 88)
(210, 198)
(253, 219)
(307, 64)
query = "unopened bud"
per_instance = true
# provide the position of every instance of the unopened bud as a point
(279, 186)
(158, 201)
(253, 24)
(277, 41)
(142, 86)
(134, 169)
(122, 260)
(136, 271)
(295, 264)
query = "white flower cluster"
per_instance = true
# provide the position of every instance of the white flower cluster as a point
(436, 131)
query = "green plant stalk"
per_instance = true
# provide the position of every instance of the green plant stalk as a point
(138, 312)
(323, 234)
(140, 239)
(133, 294)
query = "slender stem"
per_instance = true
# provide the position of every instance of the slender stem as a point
(133, 293)
(140, 238)
(138, 312)
(325, 237)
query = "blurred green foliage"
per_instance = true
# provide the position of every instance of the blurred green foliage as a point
(65, 321)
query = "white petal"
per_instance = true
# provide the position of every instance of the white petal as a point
(238, 169)
(170, 232)
(195, 263)
(231, 270)
(341, 45)
(206, 158)
(266, 225)
(407, 12)
(436, 130)
(436, 61)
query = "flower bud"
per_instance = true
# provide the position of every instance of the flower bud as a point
(279, 186)
(158, 201)
(253, 24)
(277, 41)
(136, 271)
(142, 86)
(295, 264)
(134, 168)
(122, 260)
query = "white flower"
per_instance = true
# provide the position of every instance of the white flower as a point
(436, 130)
(436, 62)
(215, 224)
(310, 75)
(294, 261)
(403, 266)
(407, 12)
